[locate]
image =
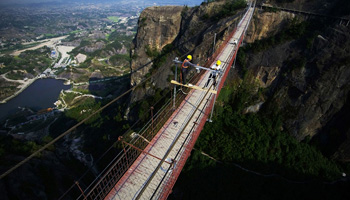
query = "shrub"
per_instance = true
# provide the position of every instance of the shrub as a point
(230, 8)
(151, 52)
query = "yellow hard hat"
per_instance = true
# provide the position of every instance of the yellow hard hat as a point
(189, 57)
(218, 62)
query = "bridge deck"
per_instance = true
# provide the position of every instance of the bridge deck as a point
(130, 185)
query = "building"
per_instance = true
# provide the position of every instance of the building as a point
(53, 54)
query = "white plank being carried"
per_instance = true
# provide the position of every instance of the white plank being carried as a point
(193, 87)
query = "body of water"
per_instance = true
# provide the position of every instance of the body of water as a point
(41, 94)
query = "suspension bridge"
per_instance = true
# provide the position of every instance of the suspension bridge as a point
(152, 158)
(151, 162)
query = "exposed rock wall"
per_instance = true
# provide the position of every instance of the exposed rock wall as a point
(266, 24)
(318, 90)
(158, 26)
(311, 94)
(319, 6)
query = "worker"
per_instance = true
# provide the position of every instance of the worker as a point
(184, 69)
(216, 67)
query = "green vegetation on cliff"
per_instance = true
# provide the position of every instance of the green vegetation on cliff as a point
(259, 138)
(10, 145)
(230, 8)
(295, 29)
(257, 142)
(227, 9)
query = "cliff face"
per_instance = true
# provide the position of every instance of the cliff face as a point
(190, 30)
(267, 24)
(158, 26)
(315, 90)
(319, 6)
(309, 84)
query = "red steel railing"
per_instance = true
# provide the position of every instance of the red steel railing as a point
(192, 138)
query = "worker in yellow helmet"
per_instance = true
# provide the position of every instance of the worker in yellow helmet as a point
(217, 68)
(184, 69)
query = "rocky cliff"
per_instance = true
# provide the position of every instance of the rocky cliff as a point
(319, 6)
(307, 77)
(267, 24)
(158, 26)
(185, 30)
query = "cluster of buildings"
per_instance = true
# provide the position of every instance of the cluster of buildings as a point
(62, 64)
